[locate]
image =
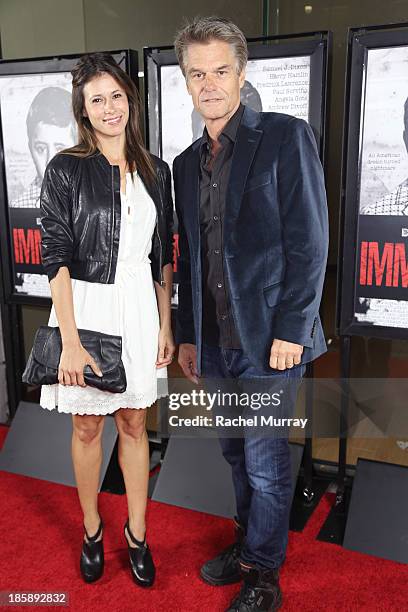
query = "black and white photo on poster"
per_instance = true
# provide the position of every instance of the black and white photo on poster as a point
(381, 275)
(37, 122)
(279, 84)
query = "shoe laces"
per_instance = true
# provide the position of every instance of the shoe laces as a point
(232, 552)
(245, 599)
(248, 594)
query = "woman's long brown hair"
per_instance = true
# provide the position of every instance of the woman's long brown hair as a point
(88, 67)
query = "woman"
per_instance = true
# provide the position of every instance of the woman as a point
(106, 217)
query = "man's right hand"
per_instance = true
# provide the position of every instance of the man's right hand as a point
(187, 358)
(71, 366)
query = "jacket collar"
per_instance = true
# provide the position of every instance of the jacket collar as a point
(152, 190)
(103, 159)
(250, 119)
(229, 131)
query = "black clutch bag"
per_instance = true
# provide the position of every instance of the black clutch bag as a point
(43, 362)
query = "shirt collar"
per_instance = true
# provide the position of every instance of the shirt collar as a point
(231, 128)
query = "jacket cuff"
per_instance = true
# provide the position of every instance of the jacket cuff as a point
(52, 269)
(291, 329)
(168, 258)
(184, 335)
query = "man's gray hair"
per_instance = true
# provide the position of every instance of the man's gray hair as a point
(203, 30)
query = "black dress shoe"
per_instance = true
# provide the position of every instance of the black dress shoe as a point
(141, 562)
(92, 558)
(224, 568)
(260, 591)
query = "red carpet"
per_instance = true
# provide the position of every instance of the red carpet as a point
(41, 531)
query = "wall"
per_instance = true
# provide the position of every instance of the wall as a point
(122, 23)
(42, 27)
(46, 27)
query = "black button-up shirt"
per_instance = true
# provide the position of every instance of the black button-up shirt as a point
(218, 324)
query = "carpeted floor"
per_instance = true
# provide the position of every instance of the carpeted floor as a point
(41, 535)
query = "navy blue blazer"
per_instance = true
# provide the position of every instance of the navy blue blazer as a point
(275, 238)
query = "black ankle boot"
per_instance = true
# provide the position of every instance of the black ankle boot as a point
(141, 562)
(260, 591)
(224, 568)
(92, 558)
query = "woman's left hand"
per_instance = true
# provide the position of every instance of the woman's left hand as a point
(166, 350)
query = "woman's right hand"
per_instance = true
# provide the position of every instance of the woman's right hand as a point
(71, 366)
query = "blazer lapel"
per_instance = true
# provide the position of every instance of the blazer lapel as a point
(247, 142)
(191, 208)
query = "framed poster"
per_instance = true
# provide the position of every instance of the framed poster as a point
(373, 271)
(36, 122)
(285, 74)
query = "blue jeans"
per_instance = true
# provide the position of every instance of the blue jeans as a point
(261, 469)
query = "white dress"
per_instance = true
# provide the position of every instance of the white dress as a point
(126, 308)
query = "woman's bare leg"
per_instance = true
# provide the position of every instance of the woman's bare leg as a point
(133, 453)
(87, 460)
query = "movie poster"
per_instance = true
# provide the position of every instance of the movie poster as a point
(278, 84)
(381, 297)
(37, 123)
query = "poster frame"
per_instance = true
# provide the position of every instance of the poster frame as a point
(316, 44)
(360, 40)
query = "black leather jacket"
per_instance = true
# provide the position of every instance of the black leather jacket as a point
(80, 217)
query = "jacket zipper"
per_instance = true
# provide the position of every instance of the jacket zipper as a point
(113, 223)
(162, 283)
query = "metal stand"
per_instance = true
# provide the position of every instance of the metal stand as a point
(345, 353)
(308, 493)
(334, 527)
(309, 488)
(13, 352)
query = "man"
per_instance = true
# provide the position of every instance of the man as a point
(253, 239)
(50, 128)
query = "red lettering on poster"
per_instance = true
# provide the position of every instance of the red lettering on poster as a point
(388, 268)
(27, 246)
(363, 262)
(400, 266)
